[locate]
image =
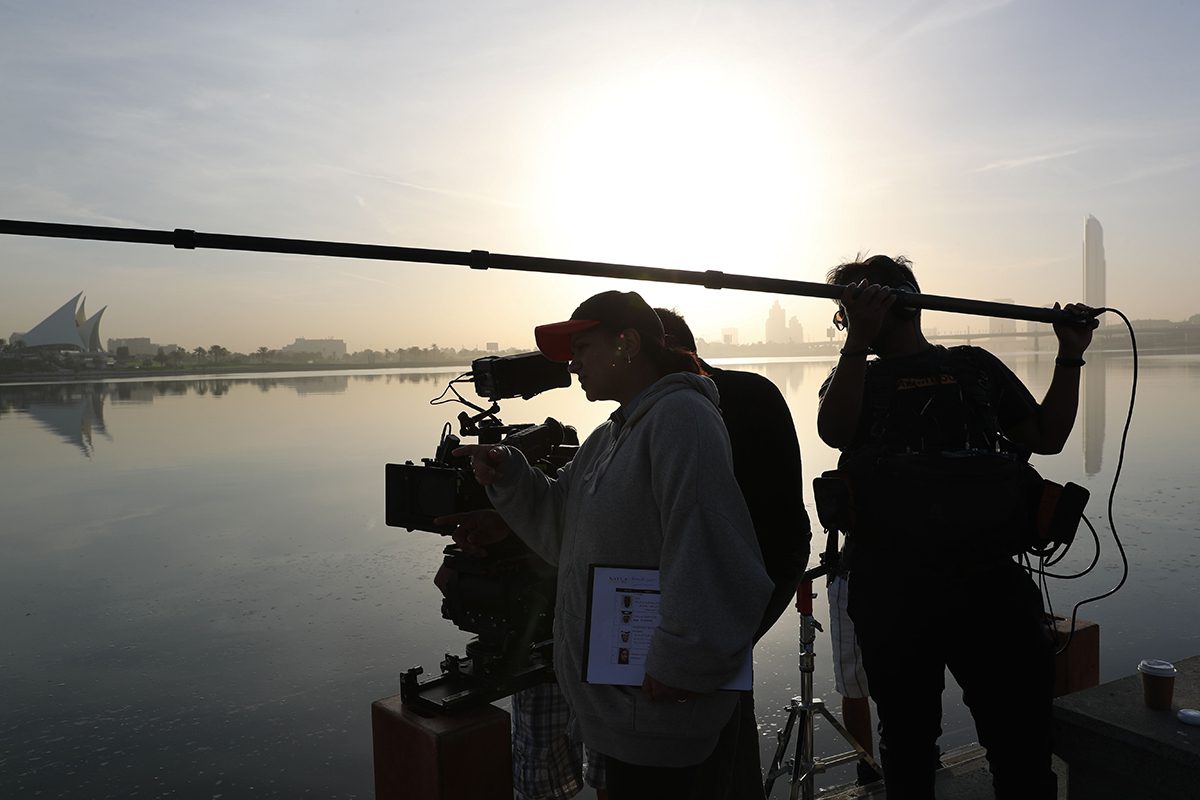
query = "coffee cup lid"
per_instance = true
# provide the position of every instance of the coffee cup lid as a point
(1154, 666)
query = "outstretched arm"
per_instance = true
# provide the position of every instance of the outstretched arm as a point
(529, 502)
(1047, 431)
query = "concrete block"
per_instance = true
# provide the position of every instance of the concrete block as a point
(467, 756)
(1077, 667)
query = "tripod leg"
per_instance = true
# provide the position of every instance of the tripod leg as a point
(863, 755)
(802, 764)
(776, 769)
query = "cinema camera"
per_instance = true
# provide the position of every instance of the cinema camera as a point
(506, 597)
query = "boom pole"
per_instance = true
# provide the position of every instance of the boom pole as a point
(186, 239)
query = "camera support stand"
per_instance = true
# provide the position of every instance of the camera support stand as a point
(802, 711)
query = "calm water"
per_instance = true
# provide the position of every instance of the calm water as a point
(199, 598)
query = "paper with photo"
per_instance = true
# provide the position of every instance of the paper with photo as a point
(622, 617)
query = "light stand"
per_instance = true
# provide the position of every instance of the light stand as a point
(802, 712)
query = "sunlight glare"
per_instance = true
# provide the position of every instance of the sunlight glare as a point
(686, 168)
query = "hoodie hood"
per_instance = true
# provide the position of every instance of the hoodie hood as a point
(666, 385)
(675, 382)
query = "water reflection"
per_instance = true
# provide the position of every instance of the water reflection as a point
(788, 376)
(1094, 391)
(208, 605)
(74, 412)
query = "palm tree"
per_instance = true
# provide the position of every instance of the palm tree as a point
(200, 353)
(262, 354)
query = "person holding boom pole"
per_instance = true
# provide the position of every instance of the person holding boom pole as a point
(933, 582)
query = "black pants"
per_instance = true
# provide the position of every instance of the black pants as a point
(715, 778)
(989, 631)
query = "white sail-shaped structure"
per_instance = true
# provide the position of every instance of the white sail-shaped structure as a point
(68, 328)
(89, 332)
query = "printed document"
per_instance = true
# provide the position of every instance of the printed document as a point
(623, 612)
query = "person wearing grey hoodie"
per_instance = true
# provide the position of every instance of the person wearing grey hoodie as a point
(651, 487)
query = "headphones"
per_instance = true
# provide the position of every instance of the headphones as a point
(901, 311)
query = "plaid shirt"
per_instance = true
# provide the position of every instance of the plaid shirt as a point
(547, 765)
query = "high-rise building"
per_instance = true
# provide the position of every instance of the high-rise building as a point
(795, 331)
(1093, 389)
(1093, 263)
(776, 325)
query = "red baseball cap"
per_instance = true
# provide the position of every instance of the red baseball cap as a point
(614, 311)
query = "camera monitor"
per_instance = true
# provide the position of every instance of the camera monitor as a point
(522, 375)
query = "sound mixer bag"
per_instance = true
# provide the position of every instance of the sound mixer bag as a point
(958, 509)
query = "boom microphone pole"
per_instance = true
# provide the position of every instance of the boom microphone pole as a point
(185, 239)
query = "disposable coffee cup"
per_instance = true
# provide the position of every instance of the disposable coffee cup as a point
(1158, 683)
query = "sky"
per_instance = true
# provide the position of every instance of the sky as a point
(760, 138)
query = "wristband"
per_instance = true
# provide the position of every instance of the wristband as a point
(852, 353)
(1064, 361)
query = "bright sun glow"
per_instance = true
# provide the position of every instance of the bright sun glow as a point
(691, 168)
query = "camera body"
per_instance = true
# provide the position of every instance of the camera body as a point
(506, 597)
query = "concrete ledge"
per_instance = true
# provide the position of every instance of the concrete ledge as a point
(965, 777)
(1117, 748)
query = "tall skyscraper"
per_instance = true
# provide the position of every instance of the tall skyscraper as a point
(795, 331)
(1093, 263)
(776, 324)
(1093, 389)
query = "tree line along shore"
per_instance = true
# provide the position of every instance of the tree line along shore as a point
(25, 364)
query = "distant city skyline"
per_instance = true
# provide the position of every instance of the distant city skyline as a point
(70, 321)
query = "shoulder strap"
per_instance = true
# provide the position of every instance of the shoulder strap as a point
(978, 396)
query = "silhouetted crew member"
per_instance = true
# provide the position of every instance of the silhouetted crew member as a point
(927, 593)
(766, 463)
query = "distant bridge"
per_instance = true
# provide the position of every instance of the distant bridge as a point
(1149, 335)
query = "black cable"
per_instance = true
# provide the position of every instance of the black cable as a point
(462, 378)
(1112, 492)
(441, 399)
(1117, 474)
(1081, 573)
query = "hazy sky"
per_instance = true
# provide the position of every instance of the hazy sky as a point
(768, 138)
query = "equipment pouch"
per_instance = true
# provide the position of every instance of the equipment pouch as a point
(1059, 510)
(834, 498)
(962, 508)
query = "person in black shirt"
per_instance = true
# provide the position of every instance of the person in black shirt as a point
(930, 592)
(767, 466)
